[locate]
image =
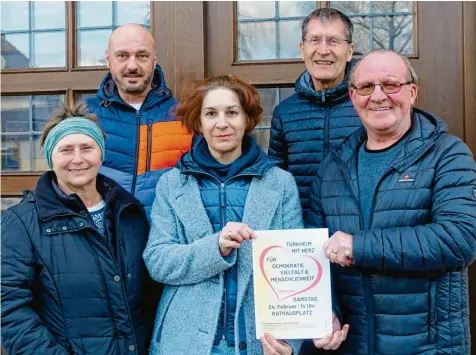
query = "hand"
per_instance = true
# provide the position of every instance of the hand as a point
(273, 346)
(232, 235)
(333, 341)
(339, 248)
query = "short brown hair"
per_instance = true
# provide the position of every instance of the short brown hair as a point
(65, 111)
(328, 14)
(191, 101)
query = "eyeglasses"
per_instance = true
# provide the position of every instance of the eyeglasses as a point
(332, 42)
(388, 87)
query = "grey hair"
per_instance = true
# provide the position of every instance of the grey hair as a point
(411, 74)
(327, 14)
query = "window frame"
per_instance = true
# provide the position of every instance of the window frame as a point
(66, 81)
(222, 53)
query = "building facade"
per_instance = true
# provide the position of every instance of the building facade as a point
(54, 51)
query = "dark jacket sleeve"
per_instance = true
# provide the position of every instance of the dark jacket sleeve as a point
(277, 145)
(23, 332)
(315, 219)
(315, 216)
(448, 242)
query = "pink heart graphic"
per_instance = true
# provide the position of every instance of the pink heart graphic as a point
(314, 283)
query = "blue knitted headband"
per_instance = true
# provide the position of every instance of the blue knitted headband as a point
(72, 125)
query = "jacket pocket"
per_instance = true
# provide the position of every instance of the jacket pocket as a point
(161, 320)
(432, 311)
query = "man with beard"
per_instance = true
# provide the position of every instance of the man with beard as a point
(135, 109)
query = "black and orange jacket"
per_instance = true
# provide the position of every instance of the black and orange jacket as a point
(141, 144)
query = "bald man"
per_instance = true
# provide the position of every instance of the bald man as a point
(135, 108)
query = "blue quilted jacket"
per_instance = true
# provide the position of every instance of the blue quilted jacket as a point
(407, 292)
(225, 202)
(64, 290)
(141, 144)
(307, 125)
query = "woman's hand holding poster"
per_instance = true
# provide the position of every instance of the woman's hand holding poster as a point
(292, 284)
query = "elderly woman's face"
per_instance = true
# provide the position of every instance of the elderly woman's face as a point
(76, 161)
(223, 124)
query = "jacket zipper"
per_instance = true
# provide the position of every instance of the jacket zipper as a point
(149, 146)
(122, 281)
(134, 176)
(223, 212)
(115, 262)
(345, 172)
(225, 294)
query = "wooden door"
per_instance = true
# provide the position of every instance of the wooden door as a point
(443, 55)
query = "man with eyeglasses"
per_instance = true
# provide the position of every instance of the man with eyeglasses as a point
(399, 199)
(319, 115)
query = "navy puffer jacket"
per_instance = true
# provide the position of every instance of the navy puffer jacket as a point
(307, 125)
(64, 289)
(407, 292)
(141, 144)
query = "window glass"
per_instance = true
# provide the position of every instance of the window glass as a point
(7, 202)
(23, 119)
(97, 19)
(270, 97)
(380, 24)
(33, 34)
(272, 30)
(82, 96)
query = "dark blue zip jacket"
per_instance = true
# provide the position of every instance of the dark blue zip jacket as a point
(65, 288)
(407, 292)
(141, 144)
(224, 197)
(307, 125)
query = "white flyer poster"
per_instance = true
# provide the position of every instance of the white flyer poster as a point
(292, 284)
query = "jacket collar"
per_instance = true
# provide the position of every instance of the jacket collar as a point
(54, 205)
(187, 165)
(107, 91)
(333, 95)
(426, 127)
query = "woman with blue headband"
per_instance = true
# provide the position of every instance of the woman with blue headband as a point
(73, 278)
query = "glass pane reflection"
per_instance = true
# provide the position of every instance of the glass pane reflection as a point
(23, 119)
(47, 55)
(33, 34)
(16, 153)
(256, 41)
(48, 14)
(92, 46)
(296, 8)
(270, 30)
(133, 12)
(94, 13)
(14, 15)
(7, 202)
(380, 24)
(255, 9)
(15, 51)
(270, 97)
(97, 19)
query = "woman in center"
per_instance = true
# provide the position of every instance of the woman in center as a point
(202, 222)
